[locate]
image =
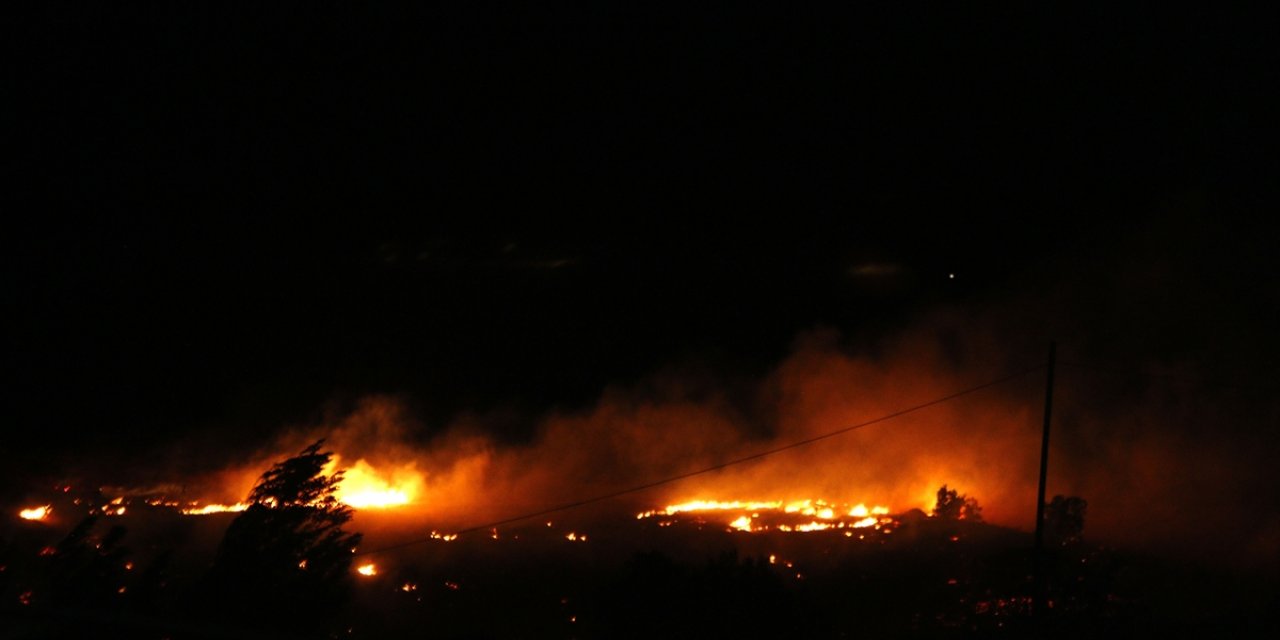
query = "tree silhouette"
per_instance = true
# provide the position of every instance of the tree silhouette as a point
(286, 561)
(956, 506)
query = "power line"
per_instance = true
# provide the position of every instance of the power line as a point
(716, 467)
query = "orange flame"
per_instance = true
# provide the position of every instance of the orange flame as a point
(364, 487)
(215, 508)
(829, 515)
(36, 513)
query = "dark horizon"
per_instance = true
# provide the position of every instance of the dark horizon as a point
(306, 202)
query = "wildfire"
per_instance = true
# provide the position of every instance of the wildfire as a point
(364, 487)
(36, 513)
(367, 569)
(215, 508)
(764, 515)
(861, 511)
(712, 505)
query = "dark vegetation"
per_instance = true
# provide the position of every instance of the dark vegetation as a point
(956, 506)
(283, 569)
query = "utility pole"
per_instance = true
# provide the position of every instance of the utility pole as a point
(1037, 560)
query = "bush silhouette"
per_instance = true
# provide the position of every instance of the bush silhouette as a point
(956, 506)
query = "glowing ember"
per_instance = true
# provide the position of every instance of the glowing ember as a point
(367, 569)
(36, 513)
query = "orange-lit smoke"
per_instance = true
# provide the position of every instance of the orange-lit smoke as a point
(985, 444)
(1151, 460)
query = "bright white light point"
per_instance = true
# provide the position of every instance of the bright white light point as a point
(367, 569)
(951, 276)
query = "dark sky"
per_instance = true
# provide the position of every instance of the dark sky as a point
(226, 217)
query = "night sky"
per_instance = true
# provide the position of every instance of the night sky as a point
(225, 219)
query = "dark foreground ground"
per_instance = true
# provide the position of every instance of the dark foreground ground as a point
(142, 576)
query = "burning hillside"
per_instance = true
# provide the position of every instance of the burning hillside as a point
(459, 525)
(675, 439)
(461, 476)
(555, 576)
(835, 482)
